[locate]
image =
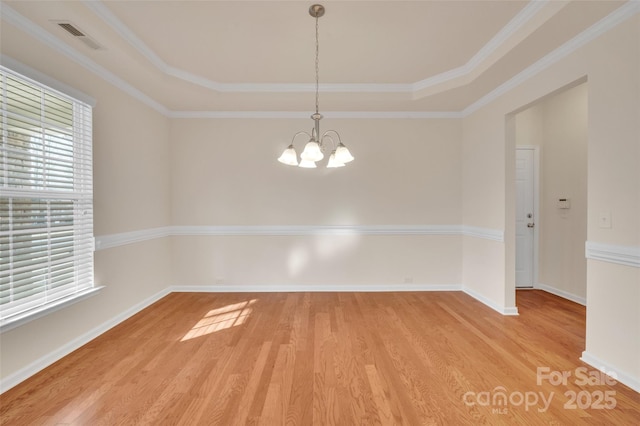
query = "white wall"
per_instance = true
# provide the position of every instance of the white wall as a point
(611, 63)
(613, 321)
(558, 126)
(131, 192)
(406, 174)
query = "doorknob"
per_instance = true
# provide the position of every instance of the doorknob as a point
(531, 225)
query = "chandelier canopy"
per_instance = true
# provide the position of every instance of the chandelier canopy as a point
(316, 145)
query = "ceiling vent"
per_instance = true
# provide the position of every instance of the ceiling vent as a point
(77, 33)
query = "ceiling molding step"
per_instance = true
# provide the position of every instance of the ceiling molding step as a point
(311, 87)
(328, 114)
(526, 14)
(11, 16)
(99, 8)
(393, 114)
(119, 27)
(508, 31)
(240, 114)
(517, 22)
(618, 16)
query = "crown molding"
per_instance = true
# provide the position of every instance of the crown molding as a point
(618, 16)
(306, 115)
(508, 31)
(524, 16)
(99, 8)
(11, 16)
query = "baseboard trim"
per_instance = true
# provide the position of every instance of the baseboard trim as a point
(507, 311)
(312, 288)
(42, 363)
(621, 376)
(561, 293)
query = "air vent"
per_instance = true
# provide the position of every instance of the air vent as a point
(71, 29)
(77, 33)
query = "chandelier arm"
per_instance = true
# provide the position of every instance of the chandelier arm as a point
(333, 143)
(299, 133)
(334, 132)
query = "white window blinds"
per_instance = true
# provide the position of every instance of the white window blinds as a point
(46, 197)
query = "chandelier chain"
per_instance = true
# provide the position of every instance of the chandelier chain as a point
(317, 68)
(317, 142)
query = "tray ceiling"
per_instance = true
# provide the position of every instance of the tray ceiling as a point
(259, 56)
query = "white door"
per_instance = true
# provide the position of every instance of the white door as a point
(525, 220)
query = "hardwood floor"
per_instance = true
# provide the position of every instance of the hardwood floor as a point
(328, 358)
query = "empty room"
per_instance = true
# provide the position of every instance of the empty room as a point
(299, 213)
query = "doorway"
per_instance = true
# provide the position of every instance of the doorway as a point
(552, 240)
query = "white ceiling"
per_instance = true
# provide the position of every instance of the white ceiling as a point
(259, 56)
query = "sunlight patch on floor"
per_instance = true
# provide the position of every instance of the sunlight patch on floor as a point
(221, 319)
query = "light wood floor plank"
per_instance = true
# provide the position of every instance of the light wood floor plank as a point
(324, 359)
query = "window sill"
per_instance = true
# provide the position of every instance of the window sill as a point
(20, 319)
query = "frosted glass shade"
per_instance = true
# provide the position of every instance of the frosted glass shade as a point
(289, 156)
(342, 154)
(333, 162)
(307, 164)
(312, 151)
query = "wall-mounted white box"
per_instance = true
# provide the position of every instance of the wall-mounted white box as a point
(563, 203)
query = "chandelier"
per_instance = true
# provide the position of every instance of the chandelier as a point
(313, 150)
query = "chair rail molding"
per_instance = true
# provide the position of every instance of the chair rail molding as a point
(612, 253)
(114, 240)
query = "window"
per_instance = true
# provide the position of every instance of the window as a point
(46, 198)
